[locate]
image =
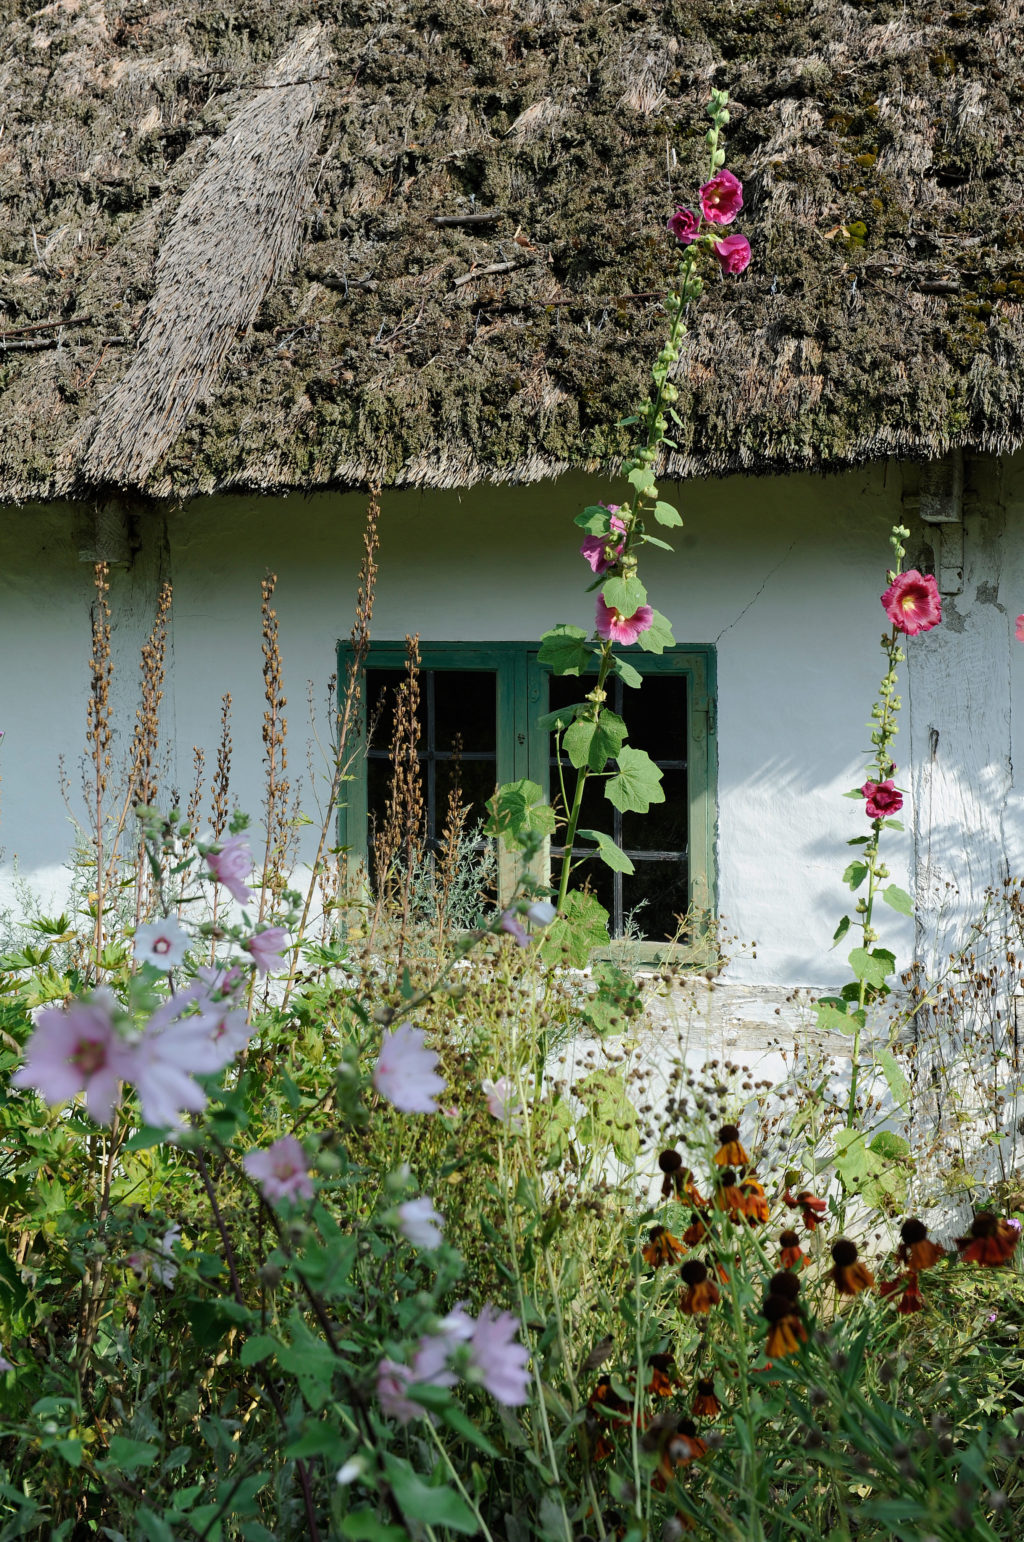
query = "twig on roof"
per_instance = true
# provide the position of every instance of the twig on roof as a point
(482, 217)
(44, 326)
(492, 267)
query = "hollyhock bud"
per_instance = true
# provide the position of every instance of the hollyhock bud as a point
(733, 253)
(722, 199)
(684, 225)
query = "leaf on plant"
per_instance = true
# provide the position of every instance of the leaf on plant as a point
(855, 874)
(424, 1504)
(518, 814)
(898, 899)
(611, 855)
(594, 519)
(564, 649)
(658, 636)
(561, 717)
(642, 478)
(893, 1073)
(581, 927)
(832, 1020)
(627, 674)
(652, 540)
(625, 595)
(636, 785)
(611, 1118)
(868, 967)
(841, 930)
(593, 744)
(667, 514)
(126, 1456)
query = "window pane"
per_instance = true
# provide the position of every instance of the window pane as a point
(656, 716)
(664, 827)
(380, 688)
(661, 889)
(466, 704)
(476, 779)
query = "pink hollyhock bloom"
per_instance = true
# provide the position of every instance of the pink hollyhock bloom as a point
(502, 1102)
(511, 923)
(281, 1170)
(912, 602)
(231, 866)
(1020, 628)
(499, 1363)
(77, 1049)
(722, 198)
(600, 550)
(613, 626)
(733, 253)
(405, 1072)
(267, 948)
(684, 225)
(163, 943)
(420, 1223)
(392, 1382)
(883, 799)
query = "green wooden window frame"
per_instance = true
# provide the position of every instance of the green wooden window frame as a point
(523, 750)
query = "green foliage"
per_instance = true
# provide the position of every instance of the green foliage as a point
(636, 784)
(519, 815)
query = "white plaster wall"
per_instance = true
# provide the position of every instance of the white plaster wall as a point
(782, 575)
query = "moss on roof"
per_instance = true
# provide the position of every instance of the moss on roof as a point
(881, 154)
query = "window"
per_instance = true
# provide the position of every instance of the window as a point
(479, 705)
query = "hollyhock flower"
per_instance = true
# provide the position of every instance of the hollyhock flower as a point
(163, 943)
(202, 1042)
(733, 253)
(684, 225)
(430, 1362)
(602, 551)
(502, 1102)
(615, 627)
(267, 948)
(1020, 628)
(722, 198)
(912, 602)
(511, 923)
(77, 1049)
(883, 799)
(161, 1063)
(542, 913)
(420, 1223)
(231, 866)
(499, 1363)
(392, 1382)
(405, 1073)
(281, 1170)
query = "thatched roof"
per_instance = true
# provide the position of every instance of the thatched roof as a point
(297, 243)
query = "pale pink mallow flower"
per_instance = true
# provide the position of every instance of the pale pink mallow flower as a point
(406, 1073)
(160, 1264)
(912, 602)
(542, 913)
(5, 1364)
(281, 1170)
(684, 225)
(721, 199)
(78, 1049)
(393, 1381)
(161, 1062)
(499, 1363)
(420, 1223)
(430, 1362)
(267, 948)
(613, 626)
(511, 923)
(1020, 628)
(603, 551)
(204, 1041)
(163, 943)
(231, 866)
(733, 254)
(502, 1102)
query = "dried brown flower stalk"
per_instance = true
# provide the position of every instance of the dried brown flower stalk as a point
(98, 731)
(275, 732)
(222, 775)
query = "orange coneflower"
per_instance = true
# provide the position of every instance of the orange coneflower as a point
(678, 1180)
(753, 1202)
(730, 1152)
(677, 1444)
(990, 1241)
(813, 1208)
(701, 1292)
(792, 1255)
(786, 1327)
(603, 1403)
(697, 1230)
(661, 1247)
(849, 1276)
(728, 1196)
(904, 1288)
(705, 1402)
(663, 1375)
(916, 1249)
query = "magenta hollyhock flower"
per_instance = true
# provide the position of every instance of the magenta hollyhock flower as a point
(733, 253)
(231, 866)
(601, 551)
(722, 198)
(281, 1170)
(912, 602)
(1020, 628)
(883, 799)
(420, 1223)
(499, 1363)
(405, 1072)
(684, 225)
(511, 923)
(267, 948)
(163, 943)
(614, 627)
(77, 1049)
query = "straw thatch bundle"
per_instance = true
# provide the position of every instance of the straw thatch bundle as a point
(472, 291)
